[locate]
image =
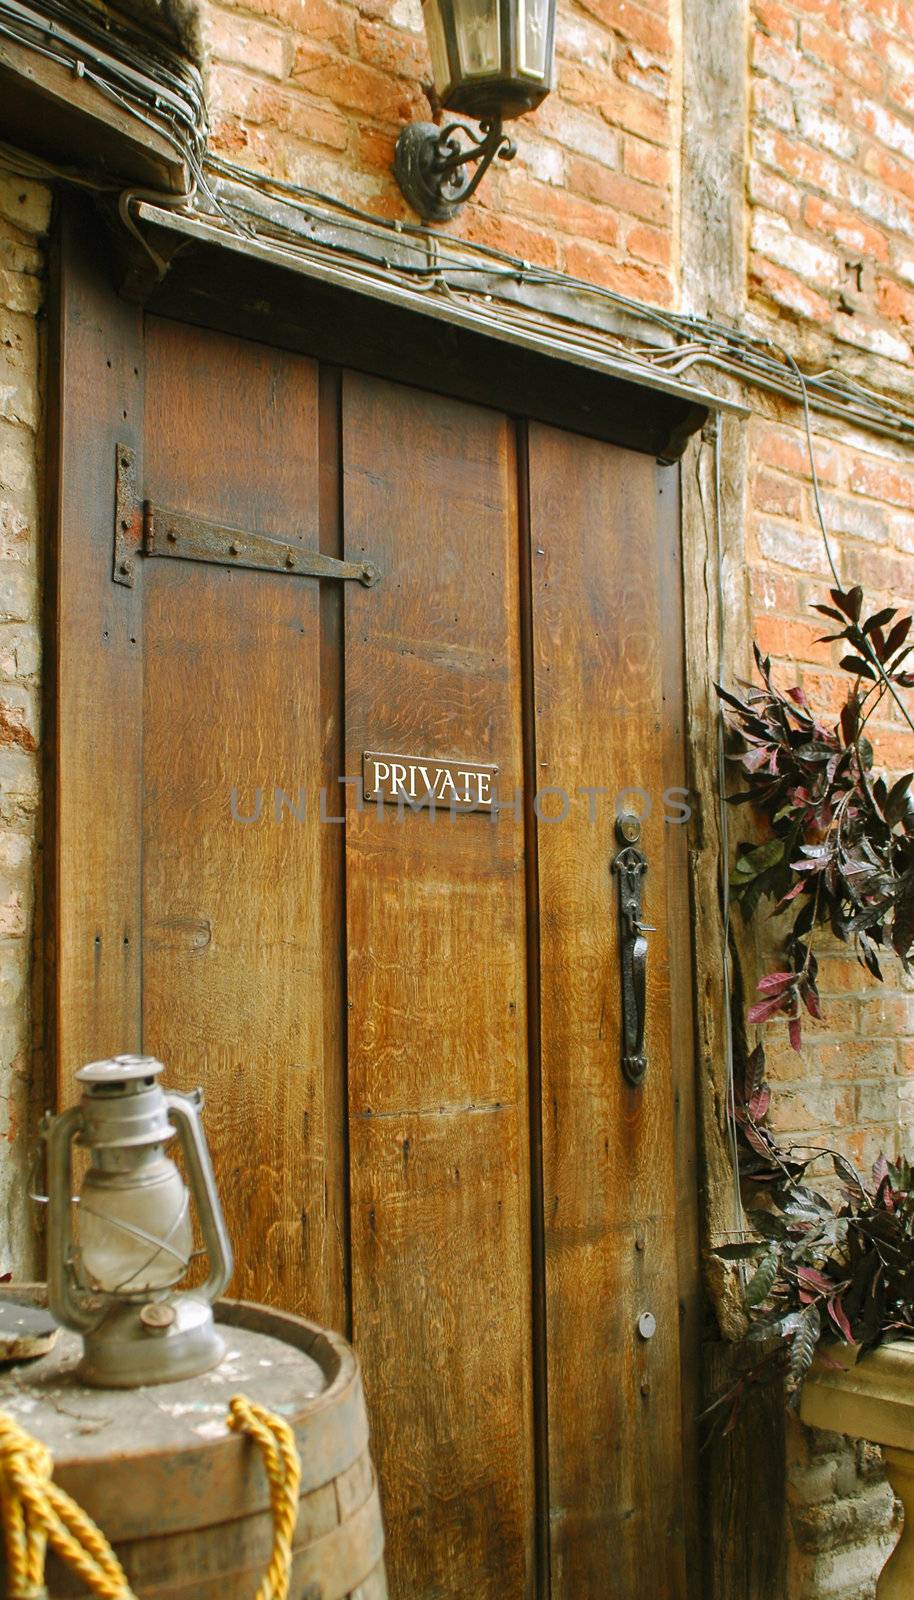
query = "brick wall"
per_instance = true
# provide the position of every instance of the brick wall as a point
(316, 91)
(855, 1074)
(831, 177)
(24, 210)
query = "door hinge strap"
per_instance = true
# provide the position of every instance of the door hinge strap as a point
(156, 532)
(176, 533)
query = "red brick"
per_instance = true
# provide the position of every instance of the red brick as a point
(554, 208)
(374, 148)
(649, 244)
(788, 291)
(883, 480)
(648, 162)
(320, 20)
(895, 174)
(634, 23)
(608, 188)
(515, 238)
(786, 65)
(771, 102)
(896, 303)
(392, 51)
(777, 494)
(798, 161)
(786, 448)
(792, 641)
(788, 545)
(775, 19)
(248, 43)
(626, 277)
(886, 1016)
(356, 86)
(841, 974)
(885, 10)
(283, 109)
(845, 227)
(895, 751)
(774, 193)
(829, 45)
(633, 70)
(635, 112)
(774, 591)
(827, 12)
(879, 574)
(827, 691)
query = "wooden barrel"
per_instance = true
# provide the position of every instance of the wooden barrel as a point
(184, 1502)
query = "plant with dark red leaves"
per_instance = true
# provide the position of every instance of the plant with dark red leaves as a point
(840, 845)
(817, 1270)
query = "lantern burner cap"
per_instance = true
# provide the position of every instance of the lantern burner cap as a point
(119, 1070)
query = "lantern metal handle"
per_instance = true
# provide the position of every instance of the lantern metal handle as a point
(185, 1109)
(65, 1304)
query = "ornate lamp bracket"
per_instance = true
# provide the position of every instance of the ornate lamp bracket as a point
(433, 168)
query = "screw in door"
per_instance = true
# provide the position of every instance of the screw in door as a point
(647, 1325)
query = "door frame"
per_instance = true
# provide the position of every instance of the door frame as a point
(93, 329)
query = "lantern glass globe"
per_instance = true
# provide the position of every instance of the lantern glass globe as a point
(135, 1229)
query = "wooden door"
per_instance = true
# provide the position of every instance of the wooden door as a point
(407, 1023)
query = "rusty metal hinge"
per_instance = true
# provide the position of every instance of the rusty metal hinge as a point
(128, 517)
(157, 532)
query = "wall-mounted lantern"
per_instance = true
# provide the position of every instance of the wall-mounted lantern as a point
(491, 60)
(116, 1283)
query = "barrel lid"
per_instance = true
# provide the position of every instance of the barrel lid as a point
(119, 1069)
(171, 1442)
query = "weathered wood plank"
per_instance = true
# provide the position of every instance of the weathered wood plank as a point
(609, 1174)
(93, 671)
(437, 1053)
(233, 946)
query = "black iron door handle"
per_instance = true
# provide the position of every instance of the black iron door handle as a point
(630, 865)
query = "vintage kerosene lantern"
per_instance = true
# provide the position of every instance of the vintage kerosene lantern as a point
(115, 1283)
(492, 60)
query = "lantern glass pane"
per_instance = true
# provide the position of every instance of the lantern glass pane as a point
(437, 46)
(135, 1231)
(533, 23)
(478, 36)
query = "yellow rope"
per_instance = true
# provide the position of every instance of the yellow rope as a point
(37, 1513)
(283, 1469)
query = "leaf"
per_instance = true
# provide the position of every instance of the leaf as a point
(795, 1034)
(848, 1172)
(850, 601)
(880, 618)
(763, 1009)
(815, 1279)
(895, 804)
(859, 667)
(751, 862)
(762, 1281)
(897, 636)
(774, 981)
(880, 1168)
(811, 1001)
(803, 1345)
(850, 718)
(839, 1317)
(768, 1224)
(757, 1108)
